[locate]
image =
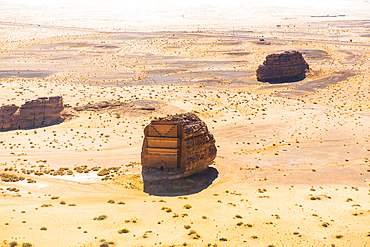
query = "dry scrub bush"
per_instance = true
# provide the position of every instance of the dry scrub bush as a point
(124, 230)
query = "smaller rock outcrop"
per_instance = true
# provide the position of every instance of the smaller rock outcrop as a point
(176, 146)
(287, 66)
(35, 113)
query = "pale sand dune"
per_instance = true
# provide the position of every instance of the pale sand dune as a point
(292, 158)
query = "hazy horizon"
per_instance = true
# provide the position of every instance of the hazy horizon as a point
(143, 15)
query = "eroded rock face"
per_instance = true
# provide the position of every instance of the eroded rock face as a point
(289, 66)
(34, 113)
(177, 146)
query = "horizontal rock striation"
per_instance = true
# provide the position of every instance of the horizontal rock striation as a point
(289, 66)
(182, 146)
(32, 114)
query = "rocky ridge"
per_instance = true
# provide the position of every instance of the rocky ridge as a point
(35, 113)
(289, 66)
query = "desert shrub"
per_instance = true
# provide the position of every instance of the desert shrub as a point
(338, 236)
(238, 216)
(114, 169)
(55, 197)
(72, 204)
(46, 205)
(187, 227)
(26, 245)
(325, 224)
(121, 203)
(124, 230)
(111, 201)
(104, 172)
(60, 171)
(5, 177)
(62, 203)
(13, 189)
(168, 210)
(197, 236)
(187, 206)
(239, 223)
(43, 228)
(102, 217)
(13, 244)
(109, 177)
(223, 239)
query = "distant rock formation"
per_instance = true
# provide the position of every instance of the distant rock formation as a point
(176, 146)
(289, 66)
(32, 114)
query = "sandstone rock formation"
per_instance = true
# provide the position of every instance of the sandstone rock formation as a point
(176, 146)
(288, 66)
(34, 113)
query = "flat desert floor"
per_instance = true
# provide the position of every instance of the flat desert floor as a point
(292, 167)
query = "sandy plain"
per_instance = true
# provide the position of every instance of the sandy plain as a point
(293, 158)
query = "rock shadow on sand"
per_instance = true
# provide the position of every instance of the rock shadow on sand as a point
(181, 186)
(283, 81)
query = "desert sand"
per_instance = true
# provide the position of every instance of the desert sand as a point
(292, 166)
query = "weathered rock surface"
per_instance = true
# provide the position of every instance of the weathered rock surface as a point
(134, 108)
(32, 114)
(177, 146)
(289, 66)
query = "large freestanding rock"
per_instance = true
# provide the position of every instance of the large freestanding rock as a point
(176, 146)
(289, 66)
(32, 114)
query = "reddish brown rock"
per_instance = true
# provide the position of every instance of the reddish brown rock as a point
(32, 114)
(287, 66)
(176, 146)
